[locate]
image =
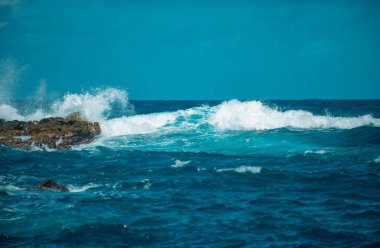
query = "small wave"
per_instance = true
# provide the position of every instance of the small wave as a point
(377, 160)
(74, 189)
(15, 218)
(10, 189)
(316, 152)
(146, 183)
(242, 169)
(179, 163)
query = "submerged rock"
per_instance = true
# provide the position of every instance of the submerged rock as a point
(51, 184)
(49, 133)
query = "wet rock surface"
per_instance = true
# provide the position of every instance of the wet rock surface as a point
(49, 133)
(51, 184)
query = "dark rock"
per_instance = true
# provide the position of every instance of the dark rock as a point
(51, 184)
(54, 132)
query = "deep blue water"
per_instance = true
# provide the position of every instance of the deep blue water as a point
(201, 174)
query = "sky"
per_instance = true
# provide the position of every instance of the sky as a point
(193, 50)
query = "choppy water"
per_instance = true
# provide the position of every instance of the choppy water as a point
(192, 173)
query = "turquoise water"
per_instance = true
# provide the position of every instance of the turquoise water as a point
(199, 173)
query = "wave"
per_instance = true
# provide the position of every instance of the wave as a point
(254, 115)
(320, 152)
(377, 160)
(75, 189)
(137, 124)
(179, 163)
(242, 169)
(10, 189)
(231, 116)
(110, 107)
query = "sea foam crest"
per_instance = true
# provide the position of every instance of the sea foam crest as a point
(136, 124)
(254, 115)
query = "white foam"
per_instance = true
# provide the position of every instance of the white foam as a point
(242, 169)
(8, 112)
(91, 106)
(75, 189)
(230, 115)
(253, 115)
(179, 121)
(10, 189)
(377, 160)
(178, 163)
(146, 183)
(137, 124)
(316, 152)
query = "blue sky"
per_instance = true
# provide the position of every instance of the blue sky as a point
(211, 49)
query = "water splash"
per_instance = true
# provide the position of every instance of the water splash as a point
(10, 73)
(97, 106)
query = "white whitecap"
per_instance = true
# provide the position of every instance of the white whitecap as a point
(10, 189)
(146, 183)
(377, 160)
(76, 189)
(242, 169)
(316, 152)
(178, 163)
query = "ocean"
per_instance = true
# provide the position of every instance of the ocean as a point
(234, 173)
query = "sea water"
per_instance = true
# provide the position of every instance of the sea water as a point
(198, 173)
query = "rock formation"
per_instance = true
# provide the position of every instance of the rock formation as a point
(49, 133)
(51, 184)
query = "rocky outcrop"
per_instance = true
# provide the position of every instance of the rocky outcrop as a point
(49, 133)
(51, 184)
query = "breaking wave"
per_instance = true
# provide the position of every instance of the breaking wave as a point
(254, 115)
(110, 107)
(137, 124)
